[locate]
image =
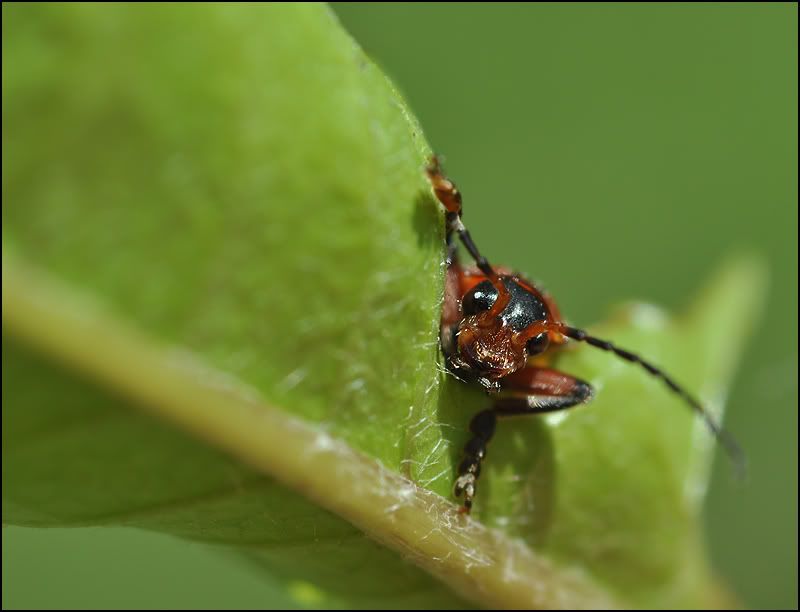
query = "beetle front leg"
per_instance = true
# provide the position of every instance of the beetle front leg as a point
(482, 427)
(531, 390)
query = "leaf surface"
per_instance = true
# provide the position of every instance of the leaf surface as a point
(219, 217)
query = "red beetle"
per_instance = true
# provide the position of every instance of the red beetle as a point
(493, 323)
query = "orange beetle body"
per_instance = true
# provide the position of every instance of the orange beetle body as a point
(498, 329)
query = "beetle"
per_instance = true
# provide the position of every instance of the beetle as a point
(496, 326)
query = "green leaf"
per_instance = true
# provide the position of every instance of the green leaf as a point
(219, 217)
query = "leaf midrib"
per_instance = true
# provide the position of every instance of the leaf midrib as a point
(480, 564)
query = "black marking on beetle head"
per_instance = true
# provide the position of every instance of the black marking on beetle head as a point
(524, 308)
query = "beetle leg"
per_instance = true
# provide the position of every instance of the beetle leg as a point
(542, 390)
(450, 197)
(451, 309)
(482, 427)
(532, 390)
(451, 256)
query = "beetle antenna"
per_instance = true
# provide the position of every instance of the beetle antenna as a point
(727, 441)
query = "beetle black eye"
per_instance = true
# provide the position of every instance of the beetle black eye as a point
(538, 344)
(480, 299)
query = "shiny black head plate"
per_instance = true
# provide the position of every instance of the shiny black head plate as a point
(524, 307)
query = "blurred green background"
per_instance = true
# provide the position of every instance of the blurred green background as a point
(612, 151)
